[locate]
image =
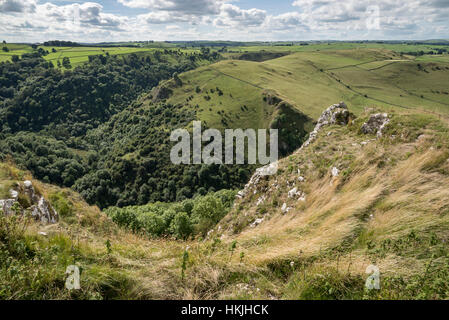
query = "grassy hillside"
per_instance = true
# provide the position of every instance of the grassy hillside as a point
(309, 80)
(387, 207)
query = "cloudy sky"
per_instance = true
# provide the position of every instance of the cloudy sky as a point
(120, 20)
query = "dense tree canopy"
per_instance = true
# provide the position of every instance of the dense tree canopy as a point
(88, 129)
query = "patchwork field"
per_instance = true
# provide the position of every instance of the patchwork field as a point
(77, 55)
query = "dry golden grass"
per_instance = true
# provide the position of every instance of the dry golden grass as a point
(386, 189)
(386, 194)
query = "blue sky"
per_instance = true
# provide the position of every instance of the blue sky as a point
(243, 20)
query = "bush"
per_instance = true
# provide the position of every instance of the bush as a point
(181, 226)
(153, 224)
(207, 212)
(180, 220)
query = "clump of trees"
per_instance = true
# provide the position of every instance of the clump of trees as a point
(59, 43)
(189, 218)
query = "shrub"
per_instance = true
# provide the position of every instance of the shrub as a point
(181, 226)
(207, 212)
(152, 223)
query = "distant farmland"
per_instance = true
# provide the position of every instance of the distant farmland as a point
(77, 55)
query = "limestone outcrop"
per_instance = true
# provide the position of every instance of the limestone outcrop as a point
(376, 124)
(25, 199)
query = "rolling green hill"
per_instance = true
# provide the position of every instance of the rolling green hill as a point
(307, 80)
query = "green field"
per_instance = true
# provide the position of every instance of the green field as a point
(401, 48)
(80, 55)
(77, 55)
(310, 81)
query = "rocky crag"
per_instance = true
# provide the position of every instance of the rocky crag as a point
(25, 199)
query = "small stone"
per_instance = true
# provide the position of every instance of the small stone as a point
(14, 194)
(256, 222)
(292, 193)
(335, 172)
(284, 208)
(28, 184)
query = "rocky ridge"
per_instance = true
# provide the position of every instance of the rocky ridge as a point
(25, 199)
(261, 184)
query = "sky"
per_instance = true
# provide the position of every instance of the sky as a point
(237, 20)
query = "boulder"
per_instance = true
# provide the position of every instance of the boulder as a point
(335, 114)
(375, 124)
(7, 206)
(41, 210)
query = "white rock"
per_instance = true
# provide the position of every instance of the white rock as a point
(28, 184)
(285, 209)
(335, 114)
(14, 194)
(6, 206)
(292, 193)
(42, 233)
(376, 124)
(260, 200)
(256, 222)
(335, 172)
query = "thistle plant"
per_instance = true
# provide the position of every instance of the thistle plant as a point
(232, 248)
(185, 258)
(108, 246)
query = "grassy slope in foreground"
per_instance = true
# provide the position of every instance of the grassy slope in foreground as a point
(388, 207)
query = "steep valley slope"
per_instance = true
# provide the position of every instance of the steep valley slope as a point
(348, 199)
(351, 200)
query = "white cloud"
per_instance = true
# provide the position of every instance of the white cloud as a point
(355, 15)
(231, 15)
(190, 7)
(31, 20)
(16, 6)
(161, 17)
(74, 21)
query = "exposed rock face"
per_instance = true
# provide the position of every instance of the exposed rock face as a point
(376, 124)
(40, 209)
(161, 93)
(6, 206)
(335, 114)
